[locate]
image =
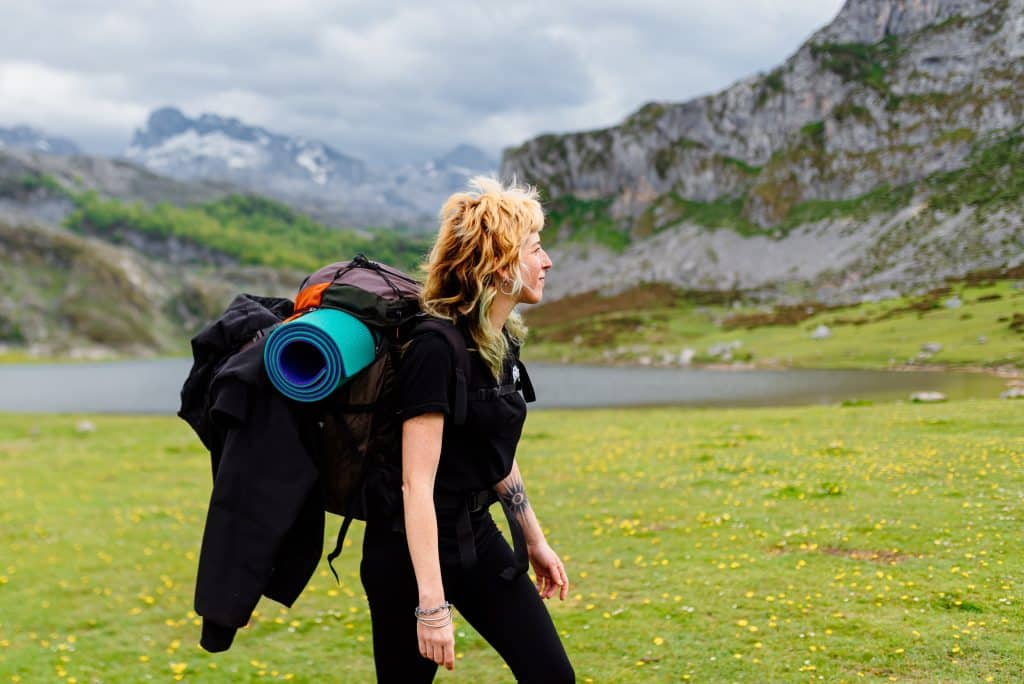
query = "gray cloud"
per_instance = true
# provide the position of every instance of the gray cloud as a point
(395, 80)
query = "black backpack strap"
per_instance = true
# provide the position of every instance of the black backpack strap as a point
(520, 381)
(461, 356)
(343, 530)
(488, 393)
(337, 546)
(464, 504)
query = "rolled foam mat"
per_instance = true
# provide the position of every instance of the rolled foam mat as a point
(311, 356)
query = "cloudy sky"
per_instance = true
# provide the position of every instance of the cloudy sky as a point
(384, 81)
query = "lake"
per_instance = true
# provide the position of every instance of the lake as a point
(153, 386)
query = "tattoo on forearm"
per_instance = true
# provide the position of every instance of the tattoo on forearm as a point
(513, 495)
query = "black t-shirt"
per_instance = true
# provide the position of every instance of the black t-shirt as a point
(478, 454)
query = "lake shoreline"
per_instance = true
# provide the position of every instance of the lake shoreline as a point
(1003, 371)
(1006, 371)
(154, 385)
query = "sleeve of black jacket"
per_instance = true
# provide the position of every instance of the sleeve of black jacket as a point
(262, 487)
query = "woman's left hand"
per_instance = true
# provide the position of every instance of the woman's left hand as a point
(550, 571)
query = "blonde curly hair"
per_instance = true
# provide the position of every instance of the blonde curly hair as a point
(482, 232)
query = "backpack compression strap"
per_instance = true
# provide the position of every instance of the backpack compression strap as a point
(520, 381)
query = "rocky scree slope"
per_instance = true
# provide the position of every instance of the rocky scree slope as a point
(829, 176)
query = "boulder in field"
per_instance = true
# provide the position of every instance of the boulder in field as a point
(927, 397)
(723, 350)
(822, 332)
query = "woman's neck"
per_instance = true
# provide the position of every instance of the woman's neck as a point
(501, 309)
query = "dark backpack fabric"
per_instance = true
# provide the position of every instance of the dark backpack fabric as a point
(361, 435)
(379, 295)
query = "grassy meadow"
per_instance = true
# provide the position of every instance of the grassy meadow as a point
(838, 544)
(655, 323)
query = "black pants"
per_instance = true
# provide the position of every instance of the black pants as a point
(510, 615)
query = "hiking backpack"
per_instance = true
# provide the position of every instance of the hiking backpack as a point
(353, 434)
(358, 433)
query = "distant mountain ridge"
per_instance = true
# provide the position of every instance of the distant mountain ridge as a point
(858, 128)
(101, 256)
(33, 140)
(225, 148)
(300, 170)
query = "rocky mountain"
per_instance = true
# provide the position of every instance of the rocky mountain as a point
(101, 257)
(465, 159)
(63, 293)
(824, 175)
(426, 186)
(227, 149)
(326, 183)
(81, 296)
(24, 198)
(33, 140)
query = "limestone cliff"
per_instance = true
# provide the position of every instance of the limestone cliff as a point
(891, 94)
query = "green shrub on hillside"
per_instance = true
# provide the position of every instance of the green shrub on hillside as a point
(31, 184)
(995, 176)
(865, 63)
(254, 230)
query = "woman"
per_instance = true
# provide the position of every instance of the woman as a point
(486, 260)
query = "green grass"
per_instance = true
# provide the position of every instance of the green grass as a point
(573, 220)
(20, 356)
(875, 543)
(870, 335)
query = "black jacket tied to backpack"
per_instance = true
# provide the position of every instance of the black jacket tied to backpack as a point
(265, 524)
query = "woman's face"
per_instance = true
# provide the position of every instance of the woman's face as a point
(533, 265)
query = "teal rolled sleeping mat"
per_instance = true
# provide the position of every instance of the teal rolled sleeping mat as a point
(311, 356)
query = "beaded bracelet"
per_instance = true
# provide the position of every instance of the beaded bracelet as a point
(426, 612)
(429, 617)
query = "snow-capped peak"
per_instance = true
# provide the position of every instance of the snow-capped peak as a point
(212, 146)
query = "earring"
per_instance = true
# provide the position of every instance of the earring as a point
(507, 282)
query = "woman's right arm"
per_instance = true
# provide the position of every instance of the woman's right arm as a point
(421, 453)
